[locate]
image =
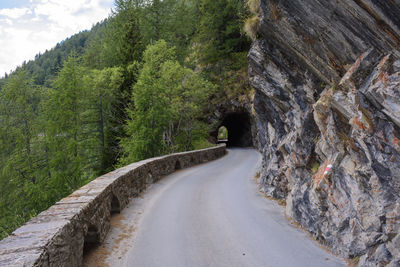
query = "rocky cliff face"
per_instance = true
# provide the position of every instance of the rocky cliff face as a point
(327, 80)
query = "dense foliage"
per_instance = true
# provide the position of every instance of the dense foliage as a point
(138, 85)
(167, 99)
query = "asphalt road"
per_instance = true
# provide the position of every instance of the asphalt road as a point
(214, 215)
(208, 215)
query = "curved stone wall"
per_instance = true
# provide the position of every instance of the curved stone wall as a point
(57, 236)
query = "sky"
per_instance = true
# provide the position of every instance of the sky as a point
(28, 27)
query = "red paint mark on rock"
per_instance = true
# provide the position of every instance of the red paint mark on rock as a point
(322, 171)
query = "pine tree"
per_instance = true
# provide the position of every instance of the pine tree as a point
(220, 29)
(122, 38)
(66, 131)
(101, 86)
(20, 151)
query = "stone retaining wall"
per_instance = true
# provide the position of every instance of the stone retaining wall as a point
(57, 236)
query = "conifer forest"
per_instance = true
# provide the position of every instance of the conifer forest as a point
(141, 83)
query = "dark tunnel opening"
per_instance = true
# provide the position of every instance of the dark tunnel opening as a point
(239, 129)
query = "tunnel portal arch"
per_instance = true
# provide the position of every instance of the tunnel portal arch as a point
(239, 129)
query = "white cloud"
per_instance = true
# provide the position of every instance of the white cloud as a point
(24, 32)
(14, 13)
(6, 21)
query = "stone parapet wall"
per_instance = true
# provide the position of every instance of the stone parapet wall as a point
(57, 236)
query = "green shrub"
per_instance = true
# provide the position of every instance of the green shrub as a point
(202, 143)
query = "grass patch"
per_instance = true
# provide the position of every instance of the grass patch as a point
(281, 202)
(353, 262)
(315, 167)
(251, 27)
(254, 6)
(251, 24)
(201, 144)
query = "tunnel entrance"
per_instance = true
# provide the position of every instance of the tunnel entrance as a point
(238, 126)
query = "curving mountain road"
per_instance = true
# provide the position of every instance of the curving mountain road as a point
(213, 215)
